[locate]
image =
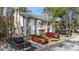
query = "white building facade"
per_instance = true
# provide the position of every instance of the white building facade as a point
(27, 24)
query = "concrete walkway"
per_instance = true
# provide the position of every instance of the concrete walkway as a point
(75, 37)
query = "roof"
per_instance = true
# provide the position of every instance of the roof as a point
(39, 17)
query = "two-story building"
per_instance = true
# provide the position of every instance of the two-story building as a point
(36, 24)
(26, 24)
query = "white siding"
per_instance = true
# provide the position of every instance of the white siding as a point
(45, 27)
(21, 20)
(32, 26)
(38, 26)
(51, 27)
(24, 26)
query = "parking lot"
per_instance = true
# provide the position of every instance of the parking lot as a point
(39, 45)
(10, 49)
(66, 45)
(51, 46)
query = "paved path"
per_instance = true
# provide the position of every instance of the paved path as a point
(76, 37)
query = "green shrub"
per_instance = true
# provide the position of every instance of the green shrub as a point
(57, 31)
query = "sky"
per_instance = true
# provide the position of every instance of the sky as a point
(36, 10)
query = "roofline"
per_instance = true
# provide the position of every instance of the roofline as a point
(32, 17)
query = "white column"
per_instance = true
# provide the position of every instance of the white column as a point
(32, 28)
(24, 26)
(51, 27)
(46, 27)
(38, 27)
